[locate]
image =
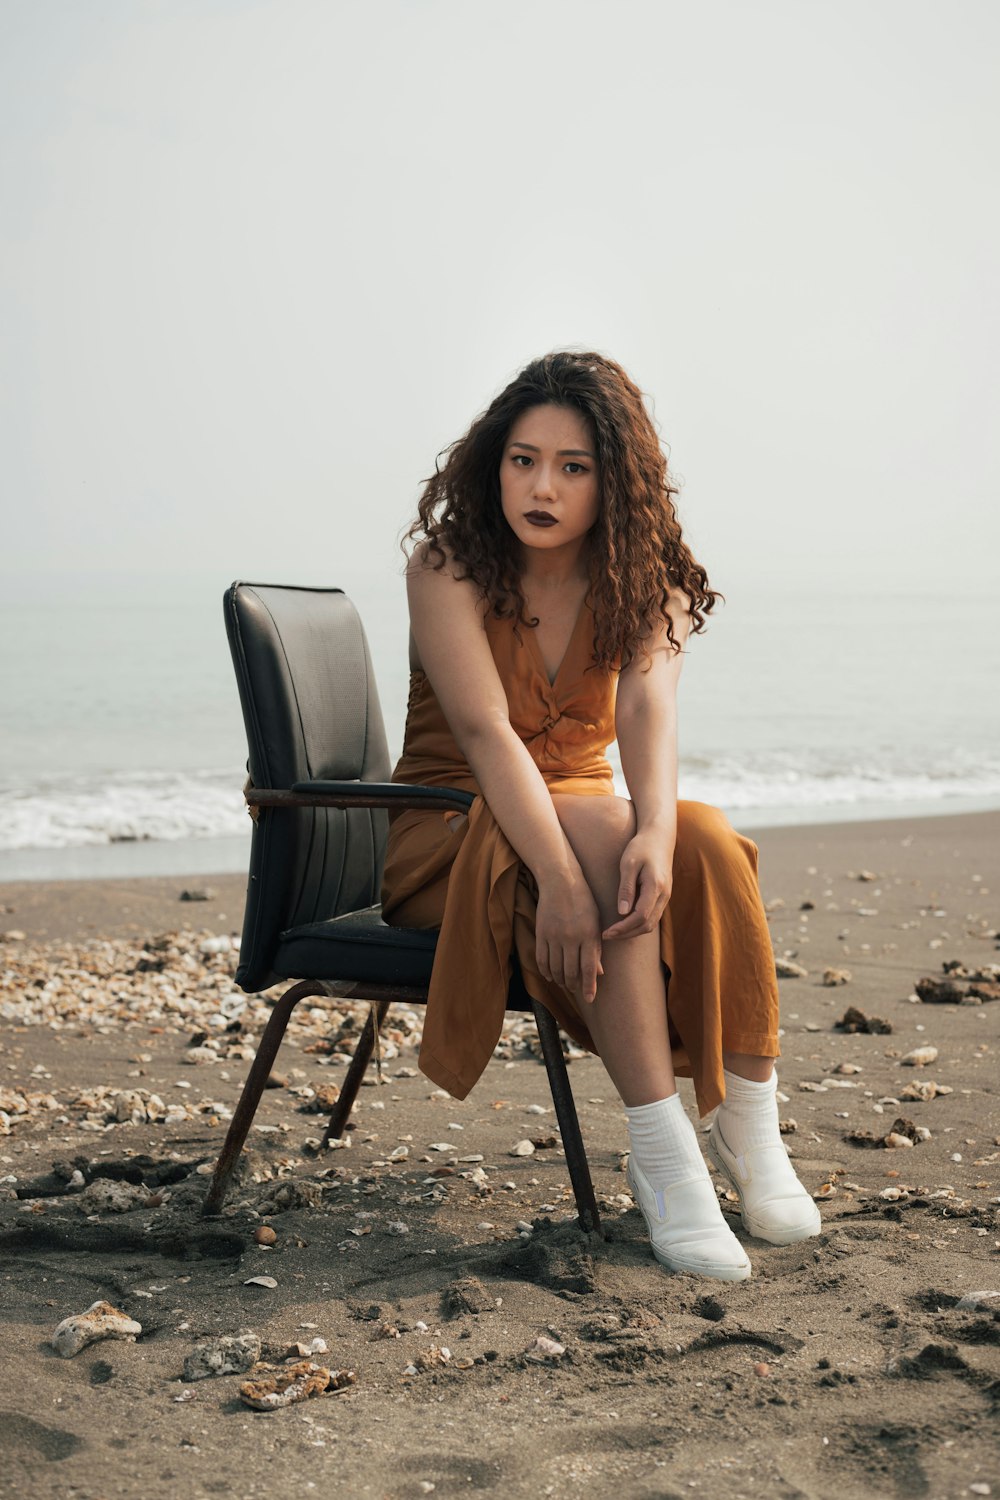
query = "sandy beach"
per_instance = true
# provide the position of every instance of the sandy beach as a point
(430, 1261)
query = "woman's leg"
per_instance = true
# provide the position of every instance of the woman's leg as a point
(628, 1024)
(628, 1019)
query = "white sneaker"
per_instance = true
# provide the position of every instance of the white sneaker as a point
(687, 1229)
(774, 1206)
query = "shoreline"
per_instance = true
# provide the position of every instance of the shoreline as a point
(205, 858)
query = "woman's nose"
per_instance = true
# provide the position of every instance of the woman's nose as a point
(544, 482)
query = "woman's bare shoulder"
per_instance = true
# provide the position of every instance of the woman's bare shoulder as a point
(436, 584)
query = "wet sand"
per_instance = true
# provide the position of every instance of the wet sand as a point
(845, 1367)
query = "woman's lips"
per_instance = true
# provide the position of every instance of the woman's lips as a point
(540, 518)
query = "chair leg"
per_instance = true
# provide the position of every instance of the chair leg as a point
(239, 1126)
(337, 1123)
(569, 1124)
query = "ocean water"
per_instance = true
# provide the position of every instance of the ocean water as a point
(122, 747)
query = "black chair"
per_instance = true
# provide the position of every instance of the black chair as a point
(318, 793)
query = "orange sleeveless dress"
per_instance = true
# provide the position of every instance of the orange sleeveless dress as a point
(722, 991)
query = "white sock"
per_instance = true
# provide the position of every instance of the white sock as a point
(748, 1116)
(664, 1143)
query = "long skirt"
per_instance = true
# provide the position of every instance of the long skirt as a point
(721, 992)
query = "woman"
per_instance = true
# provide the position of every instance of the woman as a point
(549, 571)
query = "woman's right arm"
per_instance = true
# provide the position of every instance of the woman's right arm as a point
(446, 619)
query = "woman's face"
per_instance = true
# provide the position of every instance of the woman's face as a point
(549, 484)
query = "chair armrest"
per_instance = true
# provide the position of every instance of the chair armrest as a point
(387, 794)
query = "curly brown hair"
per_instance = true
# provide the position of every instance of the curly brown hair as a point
(637, 534)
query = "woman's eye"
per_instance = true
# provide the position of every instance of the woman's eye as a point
(517, 456)
(578, 467)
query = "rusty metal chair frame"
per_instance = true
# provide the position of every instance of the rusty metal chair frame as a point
(354, 795)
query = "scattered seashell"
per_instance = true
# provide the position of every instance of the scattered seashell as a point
(267, 1281)
(786, 969)
(522, 1148)
(833, 977)
(925, 1089)
(100, 1321)
(761, 1370)
(283, 1385)
(306, 1351)
(265, 1235)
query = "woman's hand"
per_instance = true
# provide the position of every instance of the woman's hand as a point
(568, 936)
(646, 882)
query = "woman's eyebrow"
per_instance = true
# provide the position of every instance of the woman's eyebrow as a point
(562, 453)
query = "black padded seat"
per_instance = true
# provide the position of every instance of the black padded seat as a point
(357, 946)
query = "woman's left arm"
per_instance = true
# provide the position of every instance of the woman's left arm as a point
(646, 728)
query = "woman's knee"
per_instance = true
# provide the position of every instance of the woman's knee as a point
(598, 828)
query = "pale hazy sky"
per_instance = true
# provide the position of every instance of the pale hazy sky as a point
(259, 262)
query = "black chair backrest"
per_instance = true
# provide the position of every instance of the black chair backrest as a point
(312, 713)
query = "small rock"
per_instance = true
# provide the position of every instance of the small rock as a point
(972, 1300)
(854, 1020)
(920, 1057)
(546, 1347)
(867, 875)
(199, 1055)
(396, 1226)
(104, 1196)
(832, 977)
(229, 1355)
(523, 1148)
(197, 893)
(894, 1141)
(788, 1127)
(785, 969)
(265, 1235)
(761, 1370)
(467, 1295)
(100, 1321)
